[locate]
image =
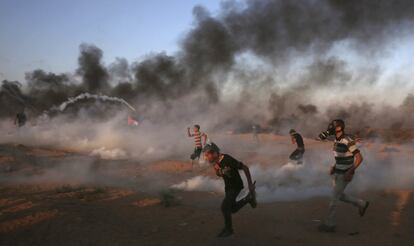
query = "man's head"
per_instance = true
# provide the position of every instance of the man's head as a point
(211, 152)
(292, 131)
(196, 128)
(339, 125)
(334, 128)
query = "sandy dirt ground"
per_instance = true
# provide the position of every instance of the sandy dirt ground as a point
(52, 196)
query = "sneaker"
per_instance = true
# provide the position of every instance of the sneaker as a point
(363, 209)
(225, 233)
(326, 228)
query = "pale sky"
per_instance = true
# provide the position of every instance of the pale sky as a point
(46, 33)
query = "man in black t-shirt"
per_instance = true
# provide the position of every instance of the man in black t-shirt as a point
(228, 168)
(297, 154)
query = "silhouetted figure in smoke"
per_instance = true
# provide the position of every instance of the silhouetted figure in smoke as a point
(255, 132)
(20, 119)
(228, 168)
(347, 159)
(297, 154)
(200, 139)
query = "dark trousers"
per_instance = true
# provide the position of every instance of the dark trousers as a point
(230, 206)
(196, 154)
(297, 154)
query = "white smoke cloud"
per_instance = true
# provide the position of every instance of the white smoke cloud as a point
(109, 139)
(286, 183)
(104, 153)
(292, 182)
(200, 183)
(159, 138)
(74, 169)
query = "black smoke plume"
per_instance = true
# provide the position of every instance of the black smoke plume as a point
(274, 34)
(94, 74)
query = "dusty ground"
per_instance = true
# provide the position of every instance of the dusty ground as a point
(63, 197)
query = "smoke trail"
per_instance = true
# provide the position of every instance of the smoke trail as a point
(85, 96)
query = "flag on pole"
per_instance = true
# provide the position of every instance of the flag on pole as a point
(132, 121)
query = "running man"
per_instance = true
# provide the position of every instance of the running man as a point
(198, 135)
(297, 154)
(228, 168)
(348, 158)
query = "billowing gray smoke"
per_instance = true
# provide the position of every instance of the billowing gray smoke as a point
(11, 98)
(94, 74)
(276, 28)
(266, 62)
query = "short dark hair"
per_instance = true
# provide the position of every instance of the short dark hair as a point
(339, 122)
(211, 147)
(292, 131)
(197, 126)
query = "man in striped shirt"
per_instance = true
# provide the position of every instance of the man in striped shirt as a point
(347, 159)
(200, 139)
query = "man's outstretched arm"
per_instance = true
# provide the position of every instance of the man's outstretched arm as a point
(188, 132)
